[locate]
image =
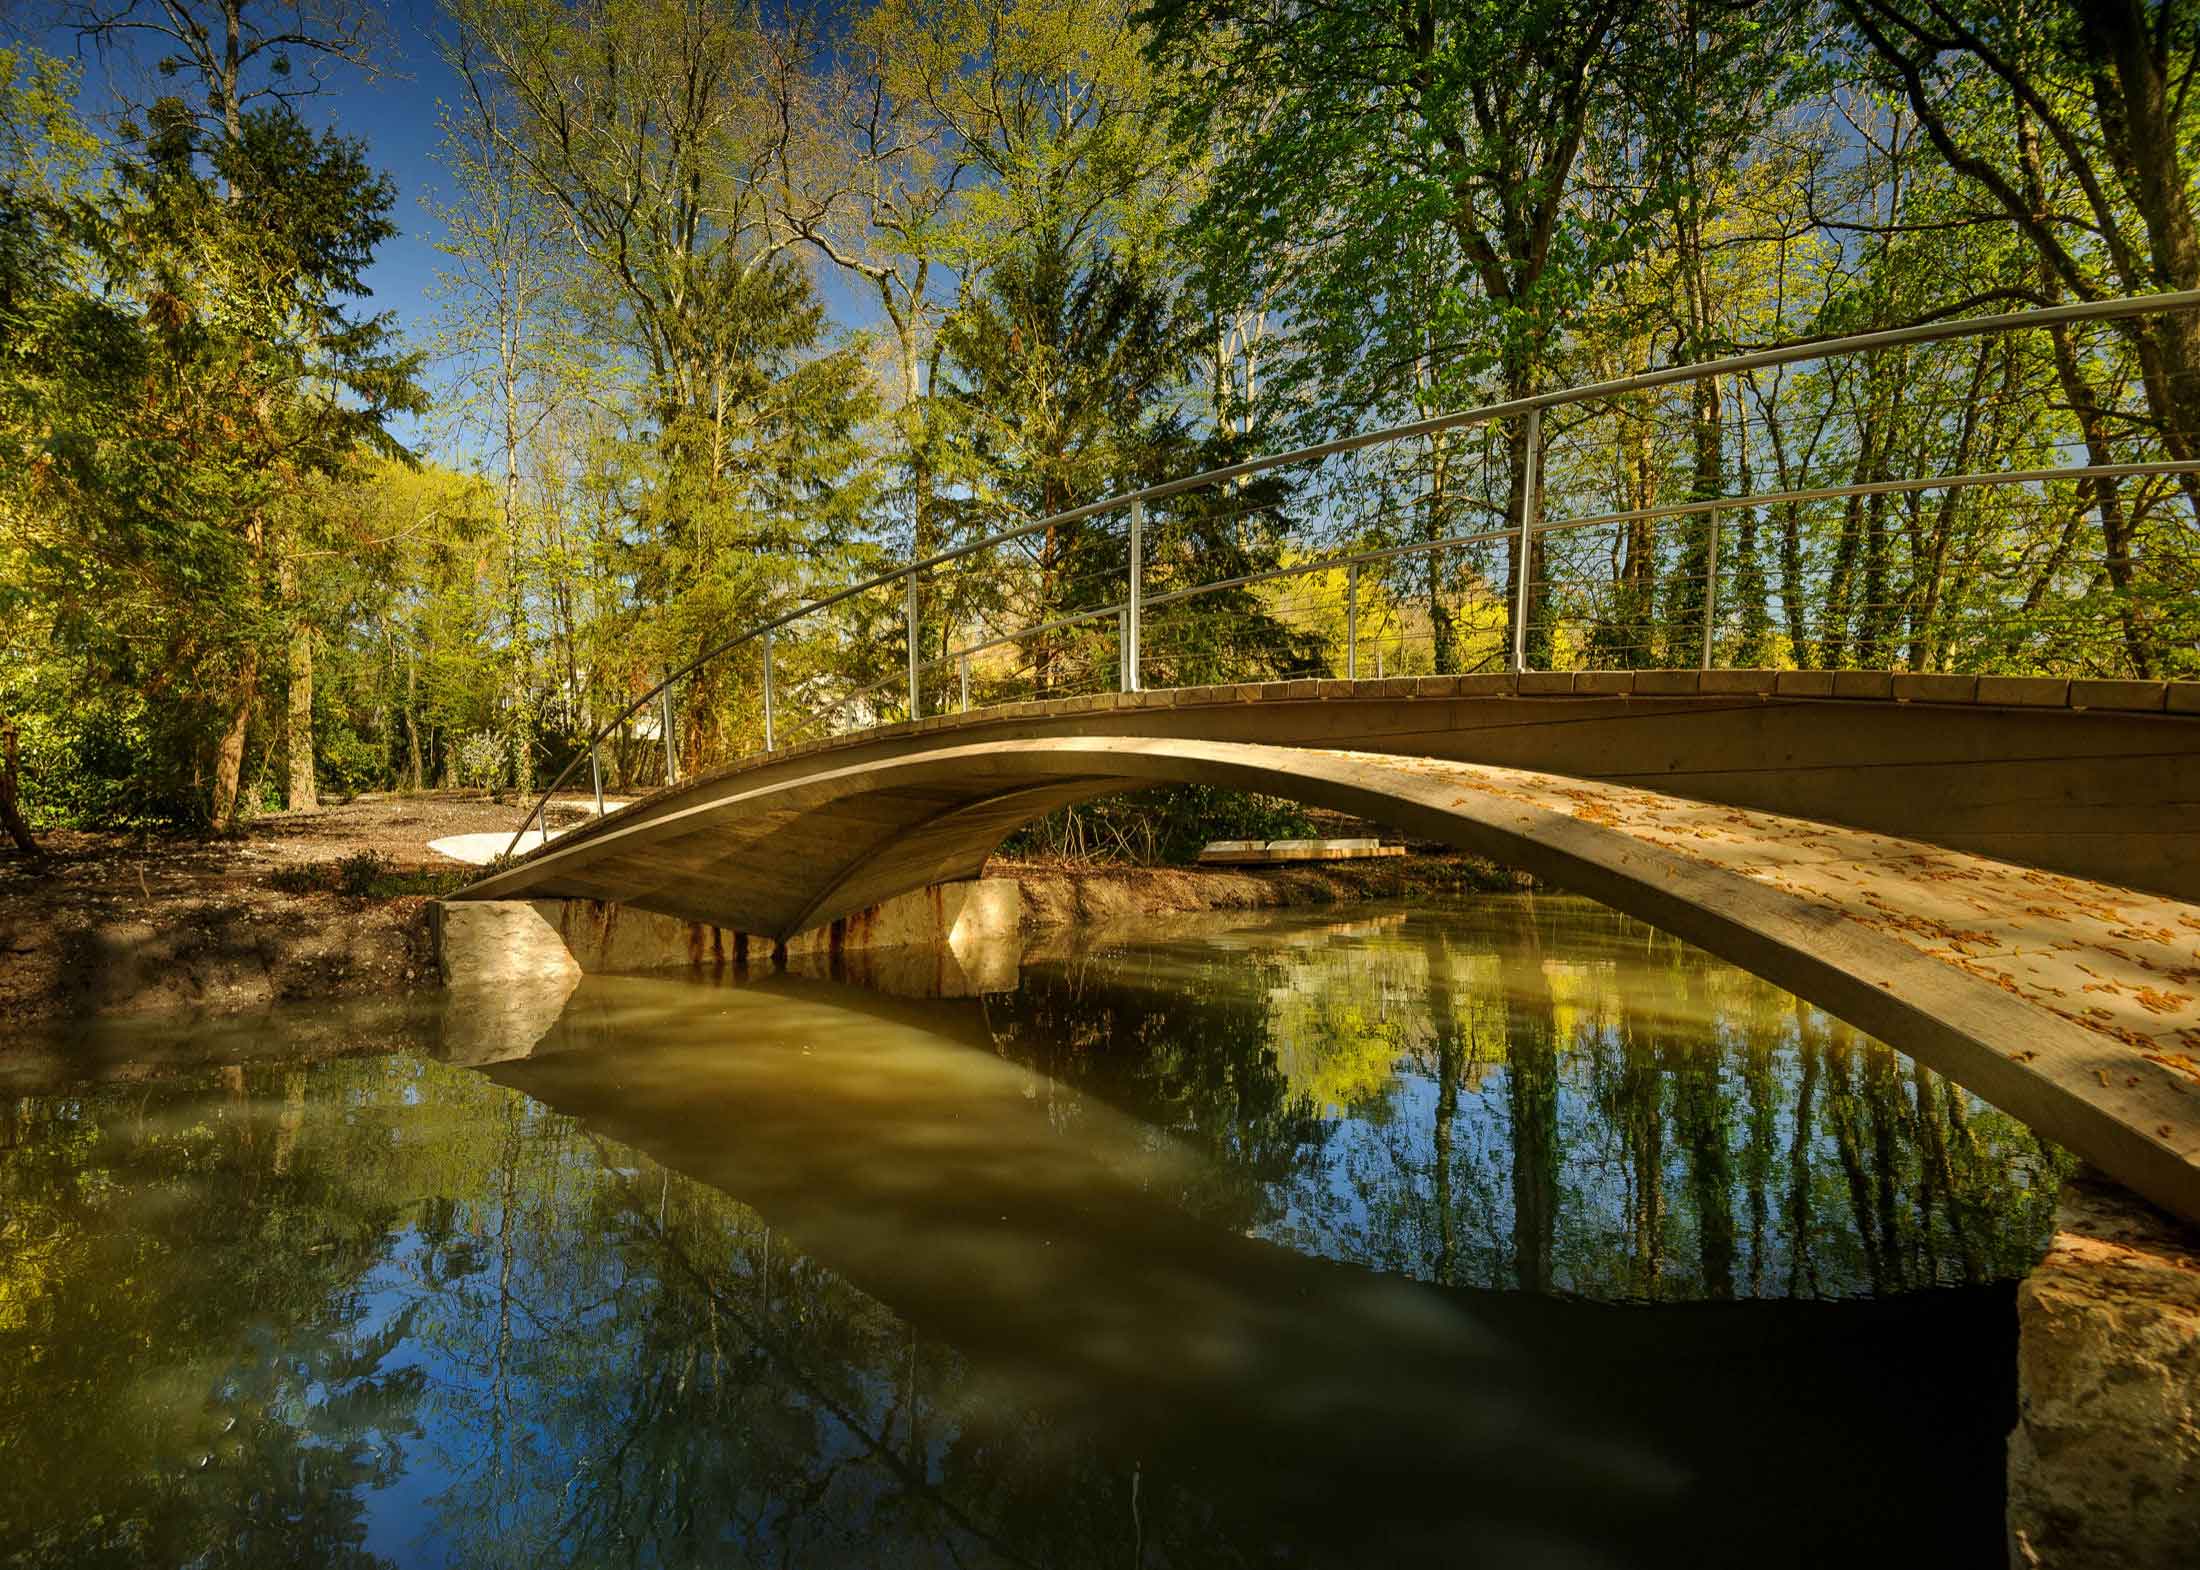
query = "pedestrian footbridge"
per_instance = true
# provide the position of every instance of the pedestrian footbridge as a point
(2000, 877)
(1996, 872)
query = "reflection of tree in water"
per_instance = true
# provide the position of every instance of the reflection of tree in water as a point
(191, 1373)
(1552, 1097)
(1192, 1058)
(392, 1307)
(258, 1303)
(838, 1434)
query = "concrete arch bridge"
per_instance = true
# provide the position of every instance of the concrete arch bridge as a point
(2004, 887)
(1999, 875)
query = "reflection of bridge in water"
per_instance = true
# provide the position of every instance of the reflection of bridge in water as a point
(1993, 872)
(1021, 1213)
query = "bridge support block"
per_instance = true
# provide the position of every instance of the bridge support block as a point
(547, 944)
(2104, 1465)
(503, 943)
(507, 973)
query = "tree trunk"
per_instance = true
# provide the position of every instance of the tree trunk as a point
(2087, 408)
(1635, 594)
(412, 725)
(2116, 542)
(2140, 124)
(298, 729)
(1538, 637)
(229, 753)
(1694, 599)
(1435, 522)
(11, 814)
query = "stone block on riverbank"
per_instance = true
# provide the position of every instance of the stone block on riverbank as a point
(2104, 1466)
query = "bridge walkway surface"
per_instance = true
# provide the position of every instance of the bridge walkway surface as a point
(1977, 942)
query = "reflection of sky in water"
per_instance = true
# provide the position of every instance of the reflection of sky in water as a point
(799, 1274)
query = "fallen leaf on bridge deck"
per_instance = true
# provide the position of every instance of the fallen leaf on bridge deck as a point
(2175, 1062)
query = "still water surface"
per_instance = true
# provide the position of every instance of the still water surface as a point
(1509, 1234)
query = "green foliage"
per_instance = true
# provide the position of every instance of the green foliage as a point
(359, 872)
(96, 762)
(183, 355)
(1071, 369)
(1169, 824)
(1108, 247)
(368, 874)
(346, 760)
(480, 760)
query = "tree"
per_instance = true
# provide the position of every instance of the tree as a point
(647, 126)
(509, 330)
(2099, 90)
(199, 362)
(242, 53)
(941, 140)
(1347, 133)
(1069, 384)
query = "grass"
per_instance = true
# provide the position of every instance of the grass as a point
(368, 874)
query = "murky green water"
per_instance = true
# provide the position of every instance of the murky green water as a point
(1516, 1235)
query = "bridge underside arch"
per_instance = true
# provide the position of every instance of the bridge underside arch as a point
(1869, 926)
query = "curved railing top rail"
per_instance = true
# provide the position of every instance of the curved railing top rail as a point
(1799, 351)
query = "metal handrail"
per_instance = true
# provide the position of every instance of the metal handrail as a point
(1532, 405)
(1948, 482)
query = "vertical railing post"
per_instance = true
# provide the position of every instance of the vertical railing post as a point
(1710, 586)
(1526, 547)
(595, 774)
(1133, 617)
(963, 665)
(768, 694)
(672, 768)
(909, 612)
(1352, 621)
(1122, 651)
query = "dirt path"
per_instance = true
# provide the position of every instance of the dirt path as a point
(122, 923)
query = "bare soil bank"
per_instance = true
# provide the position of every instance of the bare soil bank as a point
(1065, 896)
(126, 924)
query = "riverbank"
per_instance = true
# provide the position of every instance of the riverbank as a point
(294, 906)
(336, 904)
(1076, 896)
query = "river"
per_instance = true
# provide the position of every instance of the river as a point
(1507, 1232)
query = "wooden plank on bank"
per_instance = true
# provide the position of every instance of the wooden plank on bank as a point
(1255, 853)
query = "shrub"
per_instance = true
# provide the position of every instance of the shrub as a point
(102, 762)
(309, 877)
(359, 872)
(480, 760)
(1166, 825)
(348, 763)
